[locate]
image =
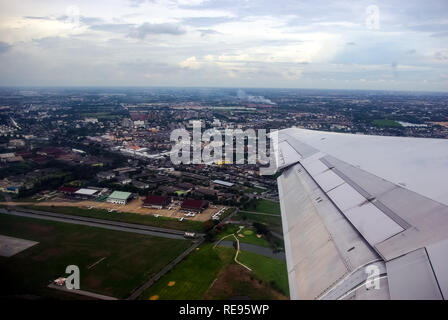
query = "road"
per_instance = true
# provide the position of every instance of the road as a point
(93, 222)
(262, 213)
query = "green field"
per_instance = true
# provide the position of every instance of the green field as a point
(249, 233)
(130, 259)
(255, 190)
(270, 270)
(149, 220)
(272, 221)
(386, 123)
(265, 206)
(194, 277)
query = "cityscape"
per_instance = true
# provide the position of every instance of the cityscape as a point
(94, 207)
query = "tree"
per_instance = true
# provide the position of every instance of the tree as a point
(261, 228)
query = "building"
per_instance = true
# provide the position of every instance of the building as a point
(194, 205)
(140, 185)
(68, 191)
(157, 202)
(5, 156)
(9, 186)
(85, 194)
(15, 159)
(16, 143)
(139, 124)
(124, 180)
(90, 120)
(222, 183)
(205, 192)
(105, 175)
(119, 197)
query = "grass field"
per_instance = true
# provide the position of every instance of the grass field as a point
(199, 277)
(272, 221)
(130, 259)
(149, 220)
(236, 282)
(386, 123)
(249, 233)
(265, 206)
(193, 276)
(255, 190)
(270, 270)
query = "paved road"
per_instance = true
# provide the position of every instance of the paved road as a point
(93, 222)
(277, 235)
(166, 269)
(267, 252)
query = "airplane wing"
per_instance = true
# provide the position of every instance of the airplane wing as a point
(355, 203)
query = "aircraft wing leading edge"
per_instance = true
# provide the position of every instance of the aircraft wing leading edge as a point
(351, 201)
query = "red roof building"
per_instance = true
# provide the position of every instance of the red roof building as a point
(68, 190)
(194, 205)
(159, 202)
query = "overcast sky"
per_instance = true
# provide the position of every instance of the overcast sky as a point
(393, 45)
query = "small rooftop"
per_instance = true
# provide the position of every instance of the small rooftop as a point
(86, 192)
(224, 183)
(120, 195)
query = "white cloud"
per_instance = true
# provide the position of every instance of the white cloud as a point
(201, 42)
(190, 63)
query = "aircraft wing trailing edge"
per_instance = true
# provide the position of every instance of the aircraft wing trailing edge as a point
(354, 206)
